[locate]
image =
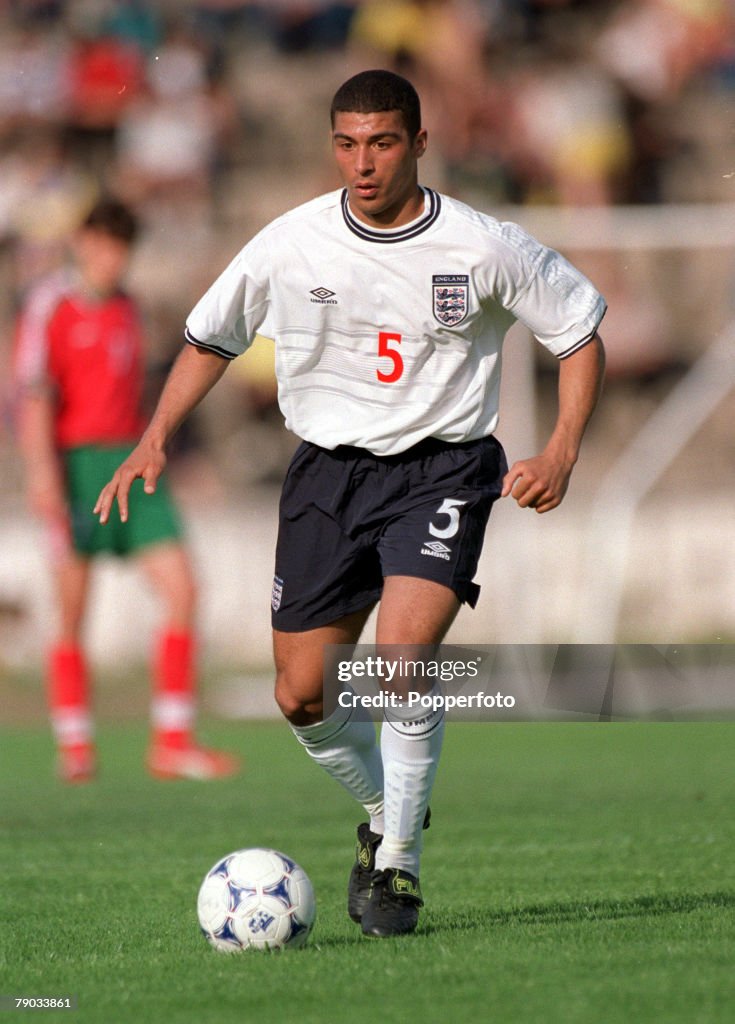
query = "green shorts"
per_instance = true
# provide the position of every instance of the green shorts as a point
(152, 518)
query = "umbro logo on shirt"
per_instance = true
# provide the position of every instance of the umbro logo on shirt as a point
(323, 296)
(436, 549)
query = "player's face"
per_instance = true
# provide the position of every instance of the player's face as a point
(377, 163)
(102, 260)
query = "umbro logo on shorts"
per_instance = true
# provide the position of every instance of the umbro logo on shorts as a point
(323, 296)
(436, 549)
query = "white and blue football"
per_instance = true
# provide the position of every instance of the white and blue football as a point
(256, 899)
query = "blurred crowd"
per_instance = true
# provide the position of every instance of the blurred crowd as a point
(210, 117)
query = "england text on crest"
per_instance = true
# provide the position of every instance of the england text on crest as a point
(451, 298)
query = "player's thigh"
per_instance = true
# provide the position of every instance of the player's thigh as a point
(301, 659)
(415, 611)
(413, 619)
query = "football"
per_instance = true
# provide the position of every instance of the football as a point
(256, 899)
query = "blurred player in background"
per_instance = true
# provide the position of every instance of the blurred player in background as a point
(79, 372)
(388, 303)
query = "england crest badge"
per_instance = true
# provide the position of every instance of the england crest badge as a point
(451, 298)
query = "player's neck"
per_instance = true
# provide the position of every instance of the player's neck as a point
(96, 291)
(397, 215)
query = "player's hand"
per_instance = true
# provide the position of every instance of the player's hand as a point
(146, 462)
(539, 483)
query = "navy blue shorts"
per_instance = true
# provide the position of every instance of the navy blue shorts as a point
(348, 518)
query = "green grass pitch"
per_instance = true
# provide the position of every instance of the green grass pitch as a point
(573, 872)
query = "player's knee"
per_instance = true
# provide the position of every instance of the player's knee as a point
(290, 703)
(300, 703)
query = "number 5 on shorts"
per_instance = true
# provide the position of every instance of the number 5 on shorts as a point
(449, 507)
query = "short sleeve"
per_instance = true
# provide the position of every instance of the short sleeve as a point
(31, 357)
(543, 290)
(229, 314)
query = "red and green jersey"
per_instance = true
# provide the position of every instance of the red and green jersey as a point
(89, 352)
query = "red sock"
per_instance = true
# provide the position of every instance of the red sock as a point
(172, 711)
(68, 696)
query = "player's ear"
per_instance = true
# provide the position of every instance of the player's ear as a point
(420, 143)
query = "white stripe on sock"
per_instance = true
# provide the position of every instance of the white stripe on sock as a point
(172, 712)
(72, 725)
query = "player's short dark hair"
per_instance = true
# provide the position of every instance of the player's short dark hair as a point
(111, 217)
(371, 92)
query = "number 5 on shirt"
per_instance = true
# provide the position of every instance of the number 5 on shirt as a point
(386, 348)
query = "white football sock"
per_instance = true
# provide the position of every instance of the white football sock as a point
(348, 750)
(410, 751)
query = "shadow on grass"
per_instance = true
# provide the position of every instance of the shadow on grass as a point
(574, 912)
(582, 910)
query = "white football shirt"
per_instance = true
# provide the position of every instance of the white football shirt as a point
(385, 337)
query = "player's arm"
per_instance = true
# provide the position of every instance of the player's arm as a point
(194, 373)
(35, 433)
(541, 482)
